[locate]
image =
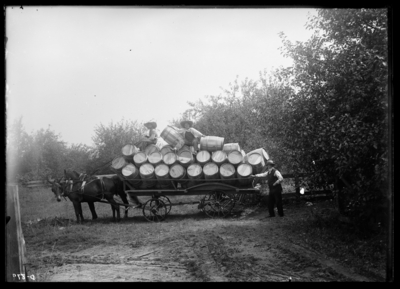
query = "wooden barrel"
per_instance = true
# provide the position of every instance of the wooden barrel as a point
(195, 172)
(117, 164)
(211, 171)
(178, 173)
(256, 161)
(261, 152)
(151, 148)
(172, 136)
(203, 157)
(228, 147)
(228, 172)
(170, 158)
(128, 151)
(219, 157)
(211, 143)
(162, 173)
(131, 174)
(140, 158)
(147, 174)
(243, 174)
(235, 158)
(166, 149)
(185, 158)
(155, 158)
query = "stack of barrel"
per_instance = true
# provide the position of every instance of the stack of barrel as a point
(177, 165)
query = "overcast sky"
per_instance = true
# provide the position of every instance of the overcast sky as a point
(76, 67)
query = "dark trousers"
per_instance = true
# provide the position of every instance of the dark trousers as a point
(194, 143)
(275, 197)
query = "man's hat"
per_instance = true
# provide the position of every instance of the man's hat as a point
(183, 122)
(270, 162)
(150, 124)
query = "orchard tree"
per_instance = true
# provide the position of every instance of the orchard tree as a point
(335, 122)
(109, 140)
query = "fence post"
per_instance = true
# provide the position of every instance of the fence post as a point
(15, 244)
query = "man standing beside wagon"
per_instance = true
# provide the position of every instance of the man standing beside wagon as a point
(273, 181)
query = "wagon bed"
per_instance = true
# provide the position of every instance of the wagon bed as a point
(219, 197)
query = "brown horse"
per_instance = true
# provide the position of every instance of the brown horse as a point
(73, 175)
(57, 187)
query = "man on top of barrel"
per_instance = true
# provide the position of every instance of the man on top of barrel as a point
(274, 180)
(191, 135)
(151, 138)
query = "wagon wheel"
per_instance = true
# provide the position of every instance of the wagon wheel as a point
(217, 204)
(154, 210)
(166, 201)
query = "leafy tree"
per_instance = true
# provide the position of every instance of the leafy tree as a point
(335, 120)
(109, 141)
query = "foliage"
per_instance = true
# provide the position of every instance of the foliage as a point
(335, 122)
(109, 140)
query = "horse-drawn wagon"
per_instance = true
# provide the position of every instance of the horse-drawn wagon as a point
(218, 197)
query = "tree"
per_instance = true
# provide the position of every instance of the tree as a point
(335, 120)
(109, 141)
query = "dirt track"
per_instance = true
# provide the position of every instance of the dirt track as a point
(250, 248)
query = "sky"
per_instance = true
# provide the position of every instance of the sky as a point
(74, 68)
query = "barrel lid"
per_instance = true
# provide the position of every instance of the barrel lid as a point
(203, 156)
(118, 163)
(255, 159)
(155, 157)
(245, 170)
(218, 156)
(161, 170)
(169, 158)
(210, 169)
(177, 171)
(151, 148)
(129, 170)
(166, 149)
(140, 157)
(146, 169)
(235, 157)
(194, 170)
(227, 170)
(185, 156)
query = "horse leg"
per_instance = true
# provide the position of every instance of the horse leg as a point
(114, 207)
(125, 200)
(78, 211)
(92, 210)
(81, 212)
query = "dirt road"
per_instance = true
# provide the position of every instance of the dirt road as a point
(248, 248)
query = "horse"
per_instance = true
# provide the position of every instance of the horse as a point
(94, 191)
(57, 187)
(71, 174)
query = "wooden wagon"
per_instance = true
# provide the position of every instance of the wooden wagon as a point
(219, 196)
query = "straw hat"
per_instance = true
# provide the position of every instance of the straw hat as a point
(150, 124)
(183, 122)
(270, 162)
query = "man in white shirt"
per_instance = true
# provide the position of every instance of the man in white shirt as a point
(191, 135)
(274, 180)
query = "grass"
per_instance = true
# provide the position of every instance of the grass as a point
(322, 229)
(49, 226)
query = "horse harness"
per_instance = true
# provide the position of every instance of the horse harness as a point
(82, 187)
